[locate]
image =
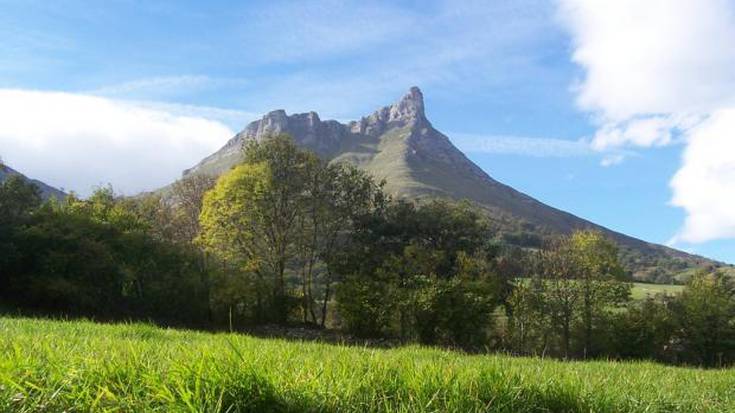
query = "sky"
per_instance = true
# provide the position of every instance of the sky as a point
(620, 112)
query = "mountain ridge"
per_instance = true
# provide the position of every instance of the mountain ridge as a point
(399, 144)
(47, 191)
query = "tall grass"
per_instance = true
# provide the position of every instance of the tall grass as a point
(85, 367)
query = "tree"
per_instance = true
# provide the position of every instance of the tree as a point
(464, 302)
(236, 228)
(289, 171)
(340, 195)
(421, 272)
(289, 224)
(600, 279)
(561, 293)
(187, 198)
(529, 321)
(18, 200)
(97, 257)
(705, 317)
(579, 282)
(644, 330)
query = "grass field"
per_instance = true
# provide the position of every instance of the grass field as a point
(85, 367)
(642, 290)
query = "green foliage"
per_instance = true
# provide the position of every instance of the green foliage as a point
(95, 257)
(367, 306)
(695, 326)
(453, 312)
(84, 367)
(234, 222)
(231, 218)
(644, 331)
(579, 281)
(279, 218)
(17, 199)
(705, 317)
(421, 273)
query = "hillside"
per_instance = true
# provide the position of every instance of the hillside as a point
(47, 191)
(399, 144)
(81, 366)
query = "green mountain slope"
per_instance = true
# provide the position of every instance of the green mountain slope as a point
(399, 144)
(47, 191)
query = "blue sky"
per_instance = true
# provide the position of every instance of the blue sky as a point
(546, 96)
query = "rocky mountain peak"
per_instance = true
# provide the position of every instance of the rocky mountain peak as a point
(411, 105)
(408, 111)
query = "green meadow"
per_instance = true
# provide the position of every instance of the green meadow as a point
(79, 366)
(641, 291)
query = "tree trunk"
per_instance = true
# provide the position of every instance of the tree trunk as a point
(305, 295)
(206, 280)
(327, 288)
(309, 280)
(587, 327)
(280, 296)
(566, 333)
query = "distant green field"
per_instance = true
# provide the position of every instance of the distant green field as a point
(84, 367)
(642, 290)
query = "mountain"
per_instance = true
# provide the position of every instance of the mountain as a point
(399, 144)
(47, 191)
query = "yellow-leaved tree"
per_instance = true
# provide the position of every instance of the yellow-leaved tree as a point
(232, 225)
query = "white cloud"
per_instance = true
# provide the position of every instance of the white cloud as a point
(318, 29)
(517, 145)
(646, 132)
(610, 160)
(538, 147)
(705, 184)
(79, 141)
(658, 72)
(161, 84)
(235, 119)
(167, 87)
(653, 56)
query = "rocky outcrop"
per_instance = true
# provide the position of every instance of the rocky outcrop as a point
(323, 137)
(408, 111)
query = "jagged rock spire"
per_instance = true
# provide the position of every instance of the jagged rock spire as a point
(410, 107)
(409, 110)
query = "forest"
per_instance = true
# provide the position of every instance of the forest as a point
(287, 239)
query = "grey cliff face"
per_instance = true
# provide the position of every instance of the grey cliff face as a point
(406, 112)
(326, 138)
(306, 128)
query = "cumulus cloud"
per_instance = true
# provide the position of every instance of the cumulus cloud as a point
(77, 142)
(705, 184)
(653, 56)
(658, 72)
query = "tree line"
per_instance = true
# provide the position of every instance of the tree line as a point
(287, 238)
